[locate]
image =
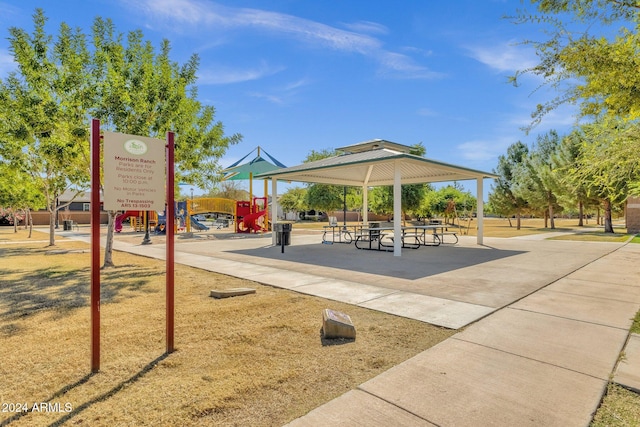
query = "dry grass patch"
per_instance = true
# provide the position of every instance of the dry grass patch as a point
(493, 227)
(620, 408)
(252, 360)
(594, 236)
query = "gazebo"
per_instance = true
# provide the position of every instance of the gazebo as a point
(376, 163)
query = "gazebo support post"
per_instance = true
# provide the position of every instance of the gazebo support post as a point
(397, 209)
(365, 205)
(274, 209)
(480, 211)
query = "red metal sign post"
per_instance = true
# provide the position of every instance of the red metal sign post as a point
(95, 242)
(95, 245)
(170, 215)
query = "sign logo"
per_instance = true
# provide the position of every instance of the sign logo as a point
(135, 147)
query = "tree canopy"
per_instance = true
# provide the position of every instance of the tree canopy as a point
(46, 105)
(590, 56)
(504, 199)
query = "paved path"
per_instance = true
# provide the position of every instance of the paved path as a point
(543, 361)
(547, 321)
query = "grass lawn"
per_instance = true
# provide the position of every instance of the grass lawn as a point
(255, 360)
(502, 227)
(620, 407)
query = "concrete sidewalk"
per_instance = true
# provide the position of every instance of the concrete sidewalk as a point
(543, 361)
(547, 323)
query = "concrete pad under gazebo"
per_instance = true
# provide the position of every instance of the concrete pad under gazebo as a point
(377, 163)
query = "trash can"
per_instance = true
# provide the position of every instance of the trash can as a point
(283, 233)
(66, 225)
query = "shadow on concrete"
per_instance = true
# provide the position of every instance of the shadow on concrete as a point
(413, 264)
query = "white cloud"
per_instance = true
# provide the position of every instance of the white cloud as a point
(482, 151)
(562, 119)
(199, 15)
(293, 86)
(284, 93)
(426, 112)
(226, 75)
(402, 66)
(508, 56)
(367, 27)
(274, 99)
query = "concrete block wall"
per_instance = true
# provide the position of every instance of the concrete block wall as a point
(633, 215)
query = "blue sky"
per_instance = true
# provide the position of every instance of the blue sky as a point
(292, 76)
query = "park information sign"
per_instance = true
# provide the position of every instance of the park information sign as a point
(134, 169)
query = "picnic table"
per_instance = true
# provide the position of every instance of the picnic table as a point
(335, 233)
(373, 237)
(413, 236)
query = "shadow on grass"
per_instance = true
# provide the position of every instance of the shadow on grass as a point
(132, 380)
(63, 290)
(78, 410)
(64, 390)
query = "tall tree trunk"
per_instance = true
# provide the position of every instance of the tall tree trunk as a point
(509, 219)
(15, 220)
(28, 219)
(553, 223)
(518, 221)
(546, 219)
(608, 223)
(108, 250)
(580, 214)
(52, 223)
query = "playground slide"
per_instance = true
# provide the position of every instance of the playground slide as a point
(122, 217)
(197, 225)
(253, 222)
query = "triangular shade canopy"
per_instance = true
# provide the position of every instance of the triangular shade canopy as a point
(248, 170)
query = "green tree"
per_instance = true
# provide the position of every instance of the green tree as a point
(586, 60)
(412, 194)
(537, 179)
(131, 89)
(144, 93)
(43, 111)
(19, 193)
(325, 197)
(503, 198)
(449, 202)
(294, 199)
(229, 190)
(573, 192)
(609, 164)
(354, 200)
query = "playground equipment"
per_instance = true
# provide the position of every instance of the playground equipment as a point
(208, 205)
(136, 219)
(252, 218)
(248, 217)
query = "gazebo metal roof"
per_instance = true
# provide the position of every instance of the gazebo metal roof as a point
(374, 168)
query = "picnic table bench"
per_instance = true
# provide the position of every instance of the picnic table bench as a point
(371, 235)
